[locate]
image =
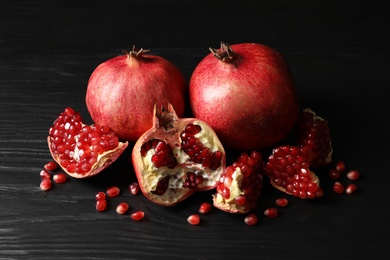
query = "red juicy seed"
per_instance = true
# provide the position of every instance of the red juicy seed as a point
(334, 174)
(240, 200)
(45, 184)
(122, 207)
(112, 191)
(59, 177)
(281, 202)
(137, 215)
(340, 166)
(353, 175)
(251, 219)
(338, 187)
(100, 195)
(50, 166)
(192, 129)
(101, 205)
(45, 174)
(163, 154)
(351, 188)
(134, 188)
(204, 208)
(192, 180)
(271, 212)
(193, 219)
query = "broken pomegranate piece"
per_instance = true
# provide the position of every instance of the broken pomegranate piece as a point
(239, 186)
(82, 150)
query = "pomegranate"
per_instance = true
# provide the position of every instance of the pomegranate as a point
(246, 93)
(122, 91)
(82, 150)
(240, 185)
(177, 157)
(288, 171)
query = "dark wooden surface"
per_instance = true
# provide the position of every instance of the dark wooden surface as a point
(339, 54)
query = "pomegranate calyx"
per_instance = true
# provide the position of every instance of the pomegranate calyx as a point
(135, 52)
(164, 118)
(224, 53)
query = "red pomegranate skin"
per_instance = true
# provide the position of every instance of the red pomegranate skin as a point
(122, 92)
(251, 101)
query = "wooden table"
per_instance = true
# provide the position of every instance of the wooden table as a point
(338, 52)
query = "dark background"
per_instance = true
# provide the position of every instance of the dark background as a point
(338, 52)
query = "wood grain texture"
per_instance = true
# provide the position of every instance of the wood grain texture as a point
(338, 52)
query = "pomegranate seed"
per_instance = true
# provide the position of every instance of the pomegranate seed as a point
(50, 166)
(59, 177)
(45, 174)
(338, 187)
(101, 205)
(193, 219)
(340, 166)
(134, 188)
(100, 195)
(353, 175)
(351, 188)
(271, 212)
(45, 184)
(251, 219)
(334, 174)
(281, 202)
(137, 215)
(204, 208)
(112, 191)
(122, 208)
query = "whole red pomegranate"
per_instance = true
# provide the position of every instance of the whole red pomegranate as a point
(246, 93)
(122, 91)
(82, 150)
(177, 157)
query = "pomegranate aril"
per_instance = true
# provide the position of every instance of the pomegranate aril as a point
(340, 166)
(271, 212)
(338, 187)
(45, 174)
(59, 177)
(50, 166)
(204, 208)
(351, 188)
(134, 188)
(281, 202)
(101, 205)
(45, 184)
(122, 207)
(138, 215)
(353, 175)
(100, 195)
(193, 219)
(112, 191)
(334, 174)
(251, 219)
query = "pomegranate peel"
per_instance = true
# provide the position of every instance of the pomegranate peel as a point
(177, 157)
(75, 146)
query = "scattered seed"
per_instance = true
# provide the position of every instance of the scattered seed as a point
(45, 184)
(134, 188)
(193, 219)
(204, 208)
(353, 175)
(122, 208)
(251, 219)
(351, 188)
(271, 212)
(334, 174)
(50, 166)
(338, 187)
(59, 177)
(113, 191)
(340, 166)
(45, 174)
(281, 202)
(101, 205)
(138, 215)
(100, 195)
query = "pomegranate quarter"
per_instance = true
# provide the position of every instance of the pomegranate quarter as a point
(177, 157)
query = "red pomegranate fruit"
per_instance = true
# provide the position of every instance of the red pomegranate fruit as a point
(246, 93)
(122, 92)
(288, 170)
(82, 150)
(312, 131)
(177, 157)
(240, 185)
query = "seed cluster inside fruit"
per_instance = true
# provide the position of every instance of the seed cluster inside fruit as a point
(79, 146)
